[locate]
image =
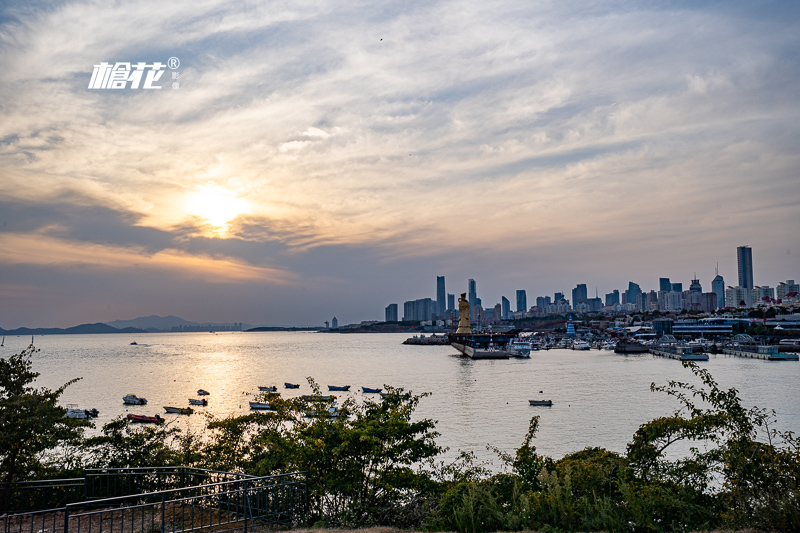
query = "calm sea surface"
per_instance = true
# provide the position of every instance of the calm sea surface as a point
(599, 398)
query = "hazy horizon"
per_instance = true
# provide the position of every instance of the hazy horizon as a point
(327, 159)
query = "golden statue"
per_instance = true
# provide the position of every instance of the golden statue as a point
(463, 315)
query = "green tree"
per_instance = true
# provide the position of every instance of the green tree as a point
(31, 421)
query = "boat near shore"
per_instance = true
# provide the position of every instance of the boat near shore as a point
(541, 403)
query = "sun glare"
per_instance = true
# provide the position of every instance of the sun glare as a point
(215, 205)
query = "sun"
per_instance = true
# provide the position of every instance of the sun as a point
(215, 205)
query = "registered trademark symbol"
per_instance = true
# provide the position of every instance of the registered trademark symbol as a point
(173, 63)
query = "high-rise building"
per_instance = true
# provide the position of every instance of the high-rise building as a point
(391, 313)
(522, 300)
(664, 284)
(579, 294)
(542, 302)
(441, 295)
(612, 298)
(718, 288)
(472, 292)
(633, 291)
(738, 297)
(505, 310)
(334, 323)
(451, 302)
(557, 297)
(744, 258)
(696, 287)
(677, 287)
(786, 287)
(418, 310)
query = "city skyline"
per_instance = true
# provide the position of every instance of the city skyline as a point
(301, 162)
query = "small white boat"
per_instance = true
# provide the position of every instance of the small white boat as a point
(580, 345)
(194, 401)
(179, 410)
(542, 403)
(272, 388)
(262, 406)
(201, 392)
(519, 348)
(132, 399)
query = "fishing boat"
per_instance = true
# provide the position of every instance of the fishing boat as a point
(542, 403)
(201, 392)
(73, 411)
(291, 385)
(273, 388)
(262, 406)
(580, 345)
(179, 410)
(134, 343)
(132, 399)
(331, 412)
(193, 401)
(317, 398)
(342, 388)
(146, 419)
(368, 390)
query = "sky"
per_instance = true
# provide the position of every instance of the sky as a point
(328, 158)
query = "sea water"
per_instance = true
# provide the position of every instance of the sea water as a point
(599, 398)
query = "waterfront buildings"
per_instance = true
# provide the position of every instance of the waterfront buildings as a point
(441, 302)
(786, 287)
(451, 302)
(744, 259)
(718, 288)
(522, 300)
(505, 308)
(579, 294)
(391, 313)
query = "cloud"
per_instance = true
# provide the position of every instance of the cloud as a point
(417, 130)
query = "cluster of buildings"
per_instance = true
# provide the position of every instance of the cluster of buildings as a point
(670, 297)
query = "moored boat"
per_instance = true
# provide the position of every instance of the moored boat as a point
(291, 385)
(272, 388)
(542, 403)
(179, 410)
(317, 398)
(262, 406)
(132, 399)
(194, 401)
(343, 388)
(145, 419)
(368, 390)
(201, 392)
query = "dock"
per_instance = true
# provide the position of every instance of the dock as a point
(768, 353)
(679, 356)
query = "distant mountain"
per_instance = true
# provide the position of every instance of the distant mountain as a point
(155, 323)
(83, 328)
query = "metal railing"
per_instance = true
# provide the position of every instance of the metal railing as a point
(234, 504)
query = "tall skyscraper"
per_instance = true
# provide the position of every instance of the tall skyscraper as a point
(664, 284)
(557, 297)
(391, 313)
(718, 288)
(633, 291)
(522, 300)
(744, 257)
(472, 292)
(505, 308)
(451, 302)
(612, 298)
(695, 286)
(441, 295)
(579, 294)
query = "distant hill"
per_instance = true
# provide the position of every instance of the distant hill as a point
(83, 328)
(156, 323)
